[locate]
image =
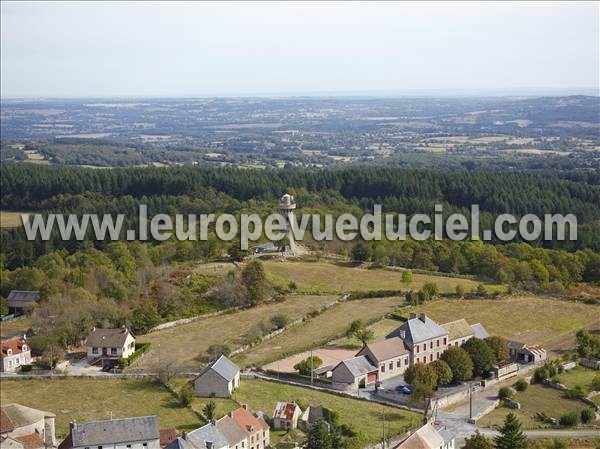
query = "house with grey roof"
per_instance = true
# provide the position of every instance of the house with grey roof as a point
(179, 443)
(207, 437)
(131, 433)
(107, 346)
(218, 379)
(18, 300)
(391, 356)
(425, 339)
(355, 373)
(235, 435)
(479, 331)
(427, 437)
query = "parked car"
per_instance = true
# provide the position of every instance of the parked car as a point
(404, 389)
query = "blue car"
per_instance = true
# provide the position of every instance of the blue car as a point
(403, 389)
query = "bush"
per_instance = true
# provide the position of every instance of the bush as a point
(460, 363)
(575, 393)
(521, 385)
(186, 394)
(26, 368)
(280, 321)
(505, 393)
(569, 419)
(587, 415)
(304, 367)
(292, 285)
(122, 363)
(596, 383)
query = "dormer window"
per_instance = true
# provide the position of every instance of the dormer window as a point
(25, 348)
(9, 351)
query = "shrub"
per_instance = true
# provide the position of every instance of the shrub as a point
(596, 382)
(575, 393)
(304, 367)
(122, 363)
(26, 368)
(505, 393)
(292, 285)
(569, 419)
(460, 363)
(280, 321)
(587, 415)
(186, 394)
(521, 385)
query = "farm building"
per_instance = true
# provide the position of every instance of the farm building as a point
(218, 379)
(18, 300)
(357, 372)
(25, 427)
(522, 353)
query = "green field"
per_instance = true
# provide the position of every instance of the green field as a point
(363, 416)
(180, 347)
(331, 277)
(317, 331)
(578, 377)
(83, 399)
(380, 330)
(536, 398)
(528, 318)
(10, 219)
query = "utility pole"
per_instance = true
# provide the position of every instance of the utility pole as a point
(470, 400)
(311, 367)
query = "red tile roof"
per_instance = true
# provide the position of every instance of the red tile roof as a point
(16, 346)
(285, 410)
(31, 441)
(167, 436)
(247, 421)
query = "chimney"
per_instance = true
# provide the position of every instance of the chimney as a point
(413, 315)
(422, 317)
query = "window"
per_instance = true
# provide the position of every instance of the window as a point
(383, 368)
(145, 444)
(431, 357)
(445, 340)
(418, 349)
(406, 361)
(391, 366)
(398, 363)
(94, 350)
(9, 351)
(437, 355)
(437, 342)
(129, 445)
(113, 350)
(425, 360)
(424, 346)
(99, 447)
(431, 344)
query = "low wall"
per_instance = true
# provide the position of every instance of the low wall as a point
(485, 411)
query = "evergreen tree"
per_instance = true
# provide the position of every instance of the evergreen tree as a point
(478, 441)
(255, 281)
(511, 435)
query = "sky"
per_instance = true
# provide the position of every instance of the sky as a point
(104, 49)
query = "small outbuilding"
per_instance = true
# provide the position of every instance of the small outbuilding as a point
(286, 415)
(357, 372)
(219, 379)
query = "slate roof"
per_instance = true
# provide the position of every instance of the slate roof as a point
(178, 443)
(107, 338)
(207, 433)
(417, 330)
(458, 329)
(479, 331)
(225, 368)
(115, 431)
(231, 429)
(359, 365)
(20, 298)
(387, 349)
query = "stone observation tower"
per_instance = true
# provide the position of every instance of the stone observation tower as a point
(286, 209)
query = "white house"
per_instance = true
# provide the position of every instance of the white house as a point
(109, 345)
(14, 354)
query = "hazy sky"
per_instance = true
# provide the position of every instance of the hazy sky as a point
(146, 49)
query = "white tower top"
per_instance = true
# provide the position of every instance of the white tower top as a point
(287, 202)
